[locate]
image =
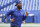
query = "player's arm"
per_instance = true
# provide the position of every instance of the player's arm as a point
(25, 16)
(8, 15)
(12, 20)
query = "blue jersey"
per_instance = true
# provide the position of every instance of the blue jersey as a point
(18, 15)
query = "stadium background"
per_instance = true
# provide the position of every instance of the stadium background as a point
(31, 6)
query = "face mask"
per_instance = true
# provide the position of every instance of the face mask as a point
(19, 7)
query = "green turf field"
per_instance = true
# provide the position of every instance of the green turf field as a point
(23, 25)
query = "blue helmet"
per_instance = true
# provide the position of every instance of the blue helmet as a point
(18, 2)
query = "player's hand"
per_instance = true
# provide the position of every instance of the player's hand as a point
(12, 20)
(26, 13)
(24, 22)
